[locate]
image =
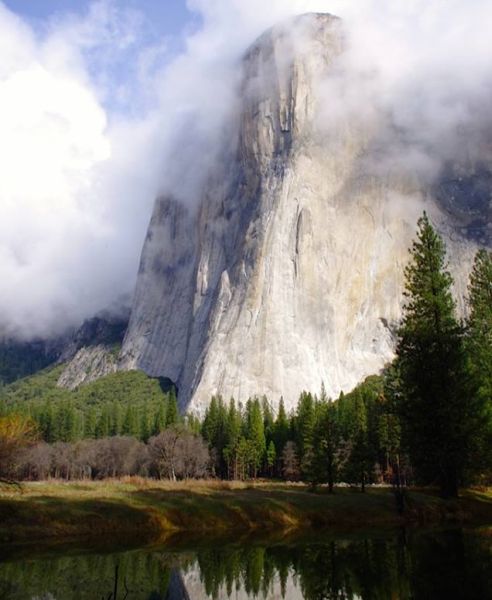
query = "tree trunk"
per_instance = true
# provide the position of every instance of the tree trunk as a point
(330, 476)
(449, 485)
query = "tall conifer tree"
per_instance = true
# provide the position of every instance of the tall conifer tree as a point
(172, 412)
(281, 428)
(479, 324)
(434, 401)
(479, 347)
(255, 434)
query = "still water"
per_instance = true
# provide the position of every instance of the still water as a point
(452, 564)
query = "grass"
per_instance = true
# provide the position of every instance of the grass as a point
(146, 511)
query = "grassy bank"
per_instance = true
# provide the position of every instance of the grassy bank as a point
(146, 511)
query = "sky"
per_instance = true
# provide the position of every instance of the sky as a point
(79, 105)
(167, 16)
(104, 104)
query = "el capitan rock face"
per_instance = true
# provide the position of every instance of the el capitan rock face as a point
(289, 273)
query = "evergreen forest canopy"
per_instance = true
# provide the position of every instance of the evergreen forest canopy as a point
(124, 403)
(427, 419)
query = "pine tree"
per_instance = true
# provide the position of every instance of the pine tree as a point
(103, 423)
(305, 424)
(214, 432)
(210, 421)
(255, 434)
(193, 424)
(479, 349)
(90, 424)
(47, 422)
(361, 462)
(281, 428)
(331, 443)
(232, 437)
(116, 417)
(271, 457)
(313, 463)
(389, 430)
(131, 425)
(159, 419)
(350, 421)
(479, 324)
(433, 402)
(268, 421)
(172, 413)
(70, 424)
(145, 427)
(64, 423)
(242, 458)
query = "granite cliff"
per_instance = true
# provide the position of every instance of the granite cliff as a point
(289, 272)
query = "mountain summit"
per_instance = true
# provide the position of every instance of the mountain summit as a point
(288, 274)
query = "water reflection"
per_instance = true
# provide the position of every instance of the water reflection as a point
(421, 565)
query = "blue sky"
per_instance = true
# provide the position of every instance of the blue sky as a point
(164, 19)
(161, 28)
(169, 16)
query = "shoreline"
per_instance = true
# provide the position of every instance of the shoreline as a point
(148, 512)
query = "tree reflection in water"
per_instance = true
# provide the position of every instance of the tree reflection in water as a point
(421, 565)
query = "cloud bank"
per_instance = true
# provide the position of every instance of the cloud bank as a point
(74, 199)
(96, 119)
(423, 71)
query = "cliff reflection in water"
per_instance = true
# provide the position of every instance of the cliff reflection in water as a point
(452, 564)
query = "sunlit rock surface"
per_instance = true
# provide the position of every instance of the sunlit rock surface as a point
(92, 351)
(289, 273)
(89, 363)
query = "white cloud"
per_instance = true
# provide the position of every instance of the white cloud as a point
(424, 68)
(70, 231)
(95, 119)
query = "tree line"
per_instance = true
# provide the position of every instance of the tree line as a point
(64, 422)
(172, 454)
(320, 441)
(426, 419)
(124, 403)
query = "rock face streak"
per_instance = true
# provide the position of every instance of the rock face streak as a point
(289, 273)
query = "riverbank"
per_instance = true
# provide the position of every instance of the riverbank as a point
(147, 511)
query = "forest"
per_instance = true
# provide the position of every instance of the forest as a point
(426, 420)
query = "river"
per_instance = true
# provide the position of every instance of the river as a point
(396, 565)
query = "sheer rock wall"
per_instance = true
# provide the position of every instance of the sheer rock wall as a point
(289, 273)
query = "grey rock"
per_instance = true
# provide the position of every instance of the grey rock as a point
(88, 364)
(92, 351)
(289, 274)
(104, 329)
